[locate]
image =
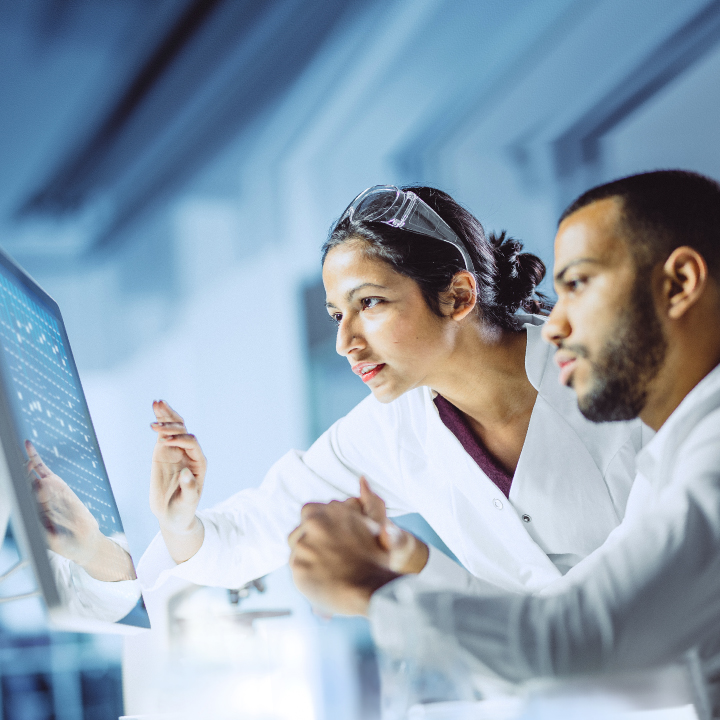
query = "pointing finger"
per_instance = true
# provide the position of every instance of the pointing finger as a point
(35, 461)
(164, 413)
(168, 428)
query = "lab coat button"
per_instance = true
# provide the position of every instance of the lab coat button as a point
(497, 504)
(526, 518)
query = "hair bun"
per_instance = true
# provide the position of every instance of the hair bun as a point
(519, 274)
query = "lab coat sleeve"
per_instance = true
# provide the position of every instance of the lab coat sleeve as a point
(85, 597)
(442, 572)
(246, 535)
(649, 593)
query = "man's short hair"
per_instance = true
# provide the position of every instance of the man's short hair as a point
(664, 210)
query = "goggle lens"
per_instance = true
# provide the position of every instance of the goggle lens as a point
(378, 203)
(388, 204)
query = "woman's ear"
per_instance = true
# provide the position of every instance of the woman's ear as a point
(460, 298)
(685, 276)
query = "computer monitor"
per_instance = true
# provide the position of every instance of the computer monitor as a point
(64, 513)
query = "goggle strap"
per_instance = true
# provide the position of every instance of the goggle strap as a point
(411, 199)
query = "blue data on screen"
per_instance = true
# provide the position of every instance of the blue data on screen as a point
(47, 400)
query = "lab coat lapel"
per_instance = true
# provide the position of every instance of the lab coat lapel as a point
(559, 438)
(544, 489)
(487, 520)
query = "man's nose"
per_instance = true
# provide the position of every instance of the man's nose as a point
(556, 327)
(348, 337)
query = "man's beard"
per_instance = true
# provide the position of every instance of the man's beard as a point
(628, 362)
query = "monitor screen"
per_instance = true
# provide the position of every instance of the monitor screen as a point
(51, 450)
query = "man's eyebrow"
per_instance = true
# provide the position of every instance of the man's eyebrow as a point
(350, 293)
(559, 275)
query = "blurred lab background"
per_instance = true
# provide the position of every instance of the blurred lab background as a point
(169, 170)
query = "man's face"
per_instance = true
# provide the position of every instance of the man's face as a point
(605, 325)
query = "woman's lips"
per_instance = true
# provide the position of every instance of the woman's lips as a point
(367, 371)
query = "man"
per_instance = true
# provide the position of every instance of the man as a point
(637, 332)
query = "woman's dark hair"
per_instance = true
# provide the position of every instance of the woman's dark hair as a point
(506, 276)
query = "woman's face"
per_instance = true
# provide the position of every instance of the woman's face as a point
(391, 338)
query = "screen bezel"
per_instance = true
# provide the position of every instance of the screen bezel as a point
(29, 529)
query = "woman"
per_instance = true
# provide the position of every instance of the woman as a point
(466, 424)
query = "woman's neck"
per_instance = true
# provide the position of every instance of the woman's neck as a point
(485, 378)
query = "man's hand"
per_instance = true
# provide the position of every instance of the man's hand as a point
(176, 483)
(343, 551)
(336, 559)
(71, 529)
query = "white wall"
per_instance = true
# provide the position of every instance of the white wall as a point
(230, 366)
(469, 96)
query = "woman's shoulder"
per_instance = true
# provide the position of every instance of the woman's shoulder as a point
(404, 411)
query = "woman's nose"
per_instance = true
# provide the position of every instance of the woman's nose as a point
(348, 338)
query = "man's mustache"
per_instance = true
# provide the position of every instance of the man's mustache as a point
(579, 350)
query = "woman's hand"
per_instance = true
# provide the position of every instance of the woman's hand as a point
(71, 529)
(176, 483)
(406, 553)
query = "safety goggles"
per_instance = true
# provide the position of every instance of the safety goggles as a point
(403, 209)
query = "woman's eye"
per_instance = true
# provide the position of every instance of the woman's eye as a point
(370, 302)
(336, 318)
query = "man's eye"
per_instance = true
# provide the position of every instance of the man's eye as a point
(336, 318)
(576, 284)
(370, 302)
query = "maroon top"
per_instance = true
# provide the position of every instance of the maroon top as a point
(458, 426)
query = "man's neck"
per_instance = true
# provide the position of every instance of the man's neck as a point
(689, 360)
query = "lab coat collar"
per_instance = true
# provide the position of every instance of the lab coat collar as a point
(653, 461)
(536, 351)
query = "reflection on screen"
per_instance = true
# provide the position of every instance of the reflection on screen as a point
(48, 402)
(93, 575)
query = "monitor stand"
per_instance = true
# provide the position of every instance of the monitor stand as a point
(5, 510)
(5, 513)
(6, 501)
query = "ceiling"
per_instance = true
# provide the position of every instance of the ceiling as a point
(111, 105)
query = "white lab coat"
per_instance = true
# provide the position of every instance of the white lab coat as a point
(572, 481)
(650, 593)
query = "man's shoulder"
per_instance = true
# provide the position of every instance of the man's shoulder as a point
(704, 437)
(695, 420)
(687, 446)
